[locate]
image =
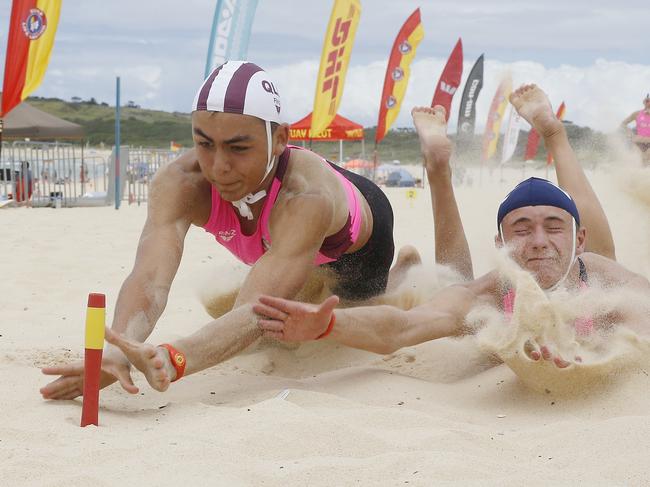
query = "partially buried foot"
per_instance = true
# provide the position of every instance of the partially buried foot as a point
(533, 105)
(407, 257)
(431, 126)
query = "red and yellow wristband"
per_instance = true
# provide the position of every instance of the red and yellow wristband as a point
(178, 360)
(329, 328)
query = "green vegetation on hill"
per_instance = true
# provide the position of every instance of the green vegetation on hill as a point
(154, 128)
(140, 127)
(402, 144)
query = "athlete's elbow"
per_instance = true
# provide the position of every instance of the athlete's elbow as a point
(379, 341)
(394, 335)
(386, 346)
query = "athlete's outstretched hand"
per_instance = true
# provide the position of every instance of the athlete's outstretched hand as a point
(537, 352)
(293, 321)
(150, 360)
(70, 384)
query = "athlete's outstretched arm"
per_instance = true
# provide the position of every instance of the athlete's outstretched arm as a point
(379, 329)
(143, 295)
(533, 105)
(282, 271)
(630, 119)
(572, 179)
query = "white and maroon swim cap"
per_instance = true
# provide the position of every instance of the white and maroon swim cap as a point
(246, 89)
(240, 87)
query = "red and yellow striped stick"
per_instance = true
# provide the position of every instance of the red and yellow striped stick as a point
(95, 322)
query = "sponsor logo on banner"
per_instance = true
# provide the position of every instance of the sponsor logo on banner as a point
(334, 62)
(447, 88)
(397, 74)
(405, 47)
(470, 98)
(391, 101)
(223, 32)
(35, 24)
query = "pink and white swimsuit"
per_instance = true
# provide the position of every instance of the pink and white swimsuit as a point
(224, 224)
(643, 124)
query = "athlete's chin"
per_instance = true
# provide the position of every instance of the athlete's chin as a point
(230, 192)
(541, 265)
(546, 278)
(229, 197)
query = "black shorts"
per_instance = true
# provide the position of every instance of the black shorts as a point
(644, 146)
(364, 273)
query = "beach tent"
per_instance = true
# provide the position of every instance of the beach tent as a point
(26, 121)
(400, 177)
(339, 129)
(384, 169)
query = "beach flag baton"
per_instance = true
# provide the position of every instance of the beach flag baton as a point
(411, 194)
(95, 322)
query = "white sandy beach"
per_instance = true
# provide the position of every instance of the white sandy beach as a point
(435, 414)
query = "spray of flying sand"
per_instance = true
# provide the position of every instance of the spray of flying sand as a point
(548, 319)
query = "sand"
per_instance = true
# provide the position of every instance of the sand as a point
(596, 356)
(436, 414)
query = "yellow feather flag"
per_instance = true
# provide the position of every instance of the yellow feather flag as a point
(334, 62)
(495, 117)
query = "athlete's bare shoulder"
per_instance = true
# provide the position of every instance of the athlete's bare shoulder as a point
(308, 173)
(597, 263)
(179, 189)
(610, 273)
(182, 171)
(486, 288)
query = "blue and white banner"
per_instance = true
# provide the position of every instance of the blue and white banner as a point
(231, 31)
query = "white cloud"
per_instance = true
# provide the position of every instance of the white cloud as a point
(598, 96)
(159, 47)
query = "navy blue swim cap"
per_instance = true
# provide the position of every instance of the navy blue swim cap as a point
(537, 192)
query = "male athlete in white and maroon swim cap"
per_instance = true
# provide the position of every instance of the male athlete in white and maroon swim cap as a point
(302, 223)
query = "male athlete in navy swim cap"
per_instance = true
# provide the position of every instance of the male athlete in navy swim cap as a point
(543, 225)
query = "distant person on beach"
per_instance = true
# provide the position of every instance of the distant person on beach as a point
(291, 215)
(543, 226)
(641, 135)
(24, 182)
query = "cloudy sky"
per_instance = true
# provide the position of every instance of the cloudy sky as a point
(593, 54)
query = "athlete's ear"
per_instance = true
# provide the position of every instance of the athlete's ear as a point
(498, 241)
(280, 138)
(581, 235)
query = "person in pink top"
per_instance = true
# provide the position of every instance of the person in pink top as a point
(545, 230)
(641, 137)
(292, 216)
